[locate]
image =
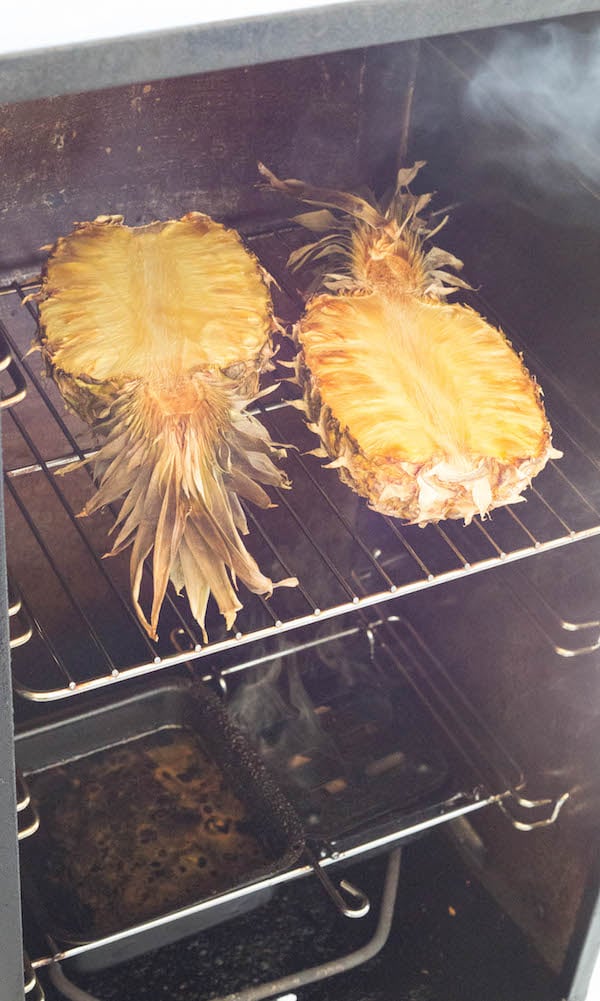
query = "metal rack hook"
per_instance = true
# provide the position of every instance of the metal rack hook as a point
(32, 988)
(221, 681)
(14, 598)
(563, 651)
(360, 904)
(23, 795)
(36, 993)
(28, 819)
(558, 632)
(532, 804)
(25, 830)
(66, 987)
(9, 365)
(22, 631)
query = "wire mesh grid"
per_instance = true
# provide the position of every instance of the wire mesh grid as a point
(384, 773)
(85, 633)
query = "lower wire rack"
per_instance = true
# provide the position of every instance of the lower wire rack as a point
(372, 741)
(75, 629)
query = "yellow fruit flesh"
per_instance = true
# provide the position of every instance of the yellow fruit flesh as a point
(412, 380)
(153, 302)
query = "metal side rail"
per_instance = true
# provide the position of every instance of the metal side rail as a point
(566, 637)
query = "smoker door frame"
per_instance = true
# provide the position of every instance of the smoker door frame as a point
(11, 939)
(586, 981)
(71, 67)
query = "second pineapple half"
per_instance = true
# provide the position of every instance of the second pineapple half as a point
(423, 406)
(157, 336)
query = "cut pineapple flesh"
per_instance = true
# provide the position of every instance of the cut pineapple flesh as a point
(423, 406)
(157, 336)
(153, 301)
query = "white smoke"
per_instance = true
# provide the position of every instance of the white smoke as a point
(543, 82)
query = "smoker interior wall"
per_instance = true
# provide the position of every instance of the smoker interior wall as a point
(159, 149)
(516, 153)
(545, 708)
(519, 153)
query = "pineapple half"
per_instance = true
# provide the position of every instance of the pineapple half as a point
(423, 406)
(157, 337)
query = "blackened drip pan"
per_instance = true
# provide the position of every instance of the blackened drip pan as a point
(147, 807)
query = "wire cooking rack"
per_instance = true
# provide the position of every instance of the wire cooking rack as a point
(74, 605)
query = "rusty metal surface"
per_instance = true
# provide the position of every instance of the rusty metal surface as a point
(155, 150)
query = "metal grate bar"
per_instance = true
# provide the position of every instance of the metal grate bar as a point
(478, 524)
(571, 486)
(523, 527)
(393, 527)
(57, 572)
(336, 513)
(82, 535)
(34, 467)
(397, 559)
(77, 452)
(268, 609)
(443, 535)
(276, 553)
(549, 508)
(51, 649)
(33, 377)
(18, 287)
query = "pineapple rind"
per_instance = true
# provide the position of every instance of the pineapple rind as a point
(419, 493)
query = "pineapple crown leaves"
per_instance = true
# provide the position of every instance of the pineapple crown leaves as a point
(398, 215)
(182, 498)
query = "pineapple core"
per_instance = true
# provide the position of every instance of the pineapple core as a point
(157, 336)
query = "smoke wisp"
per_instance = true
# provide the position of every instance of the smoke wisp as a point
(545, 80)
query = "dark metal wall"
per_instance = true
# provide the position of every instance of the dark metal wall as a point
(526, 221)
(160, 149)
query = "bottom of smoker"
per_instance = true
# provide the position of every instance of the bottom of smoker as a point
(449, 942)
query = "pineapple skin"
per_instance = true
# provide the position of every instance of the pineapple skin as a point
(177, 444)
(427, 430)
